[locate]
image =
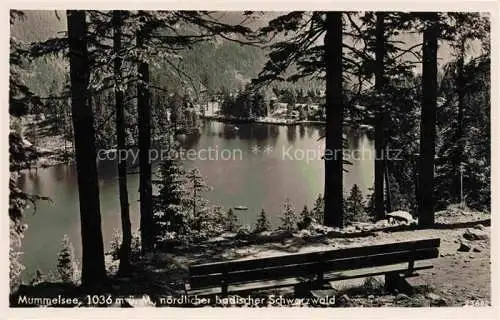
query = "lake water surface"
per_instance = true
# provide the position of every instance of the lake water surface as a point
(269, 164)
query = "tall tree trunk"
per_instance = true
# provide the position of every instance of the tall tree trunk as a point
(459, 140)
(388, 201)
(428, 121)
(334, 214)
(379, 117)
(120, 137)
(93, 270)
(144, 123)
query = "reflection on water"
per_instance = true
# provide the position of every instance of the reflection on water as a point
(257, 180)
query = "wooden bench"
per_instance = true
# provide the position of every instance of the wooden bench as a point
(394, 260)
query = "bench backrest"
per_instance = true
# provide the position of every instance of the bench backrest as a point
(313, 263)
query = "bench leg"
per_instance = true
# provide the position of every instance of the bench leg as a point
(224, 289)
(302, 289)
(395, 282)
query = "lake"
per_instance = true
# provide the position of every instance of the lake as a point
(252, 165)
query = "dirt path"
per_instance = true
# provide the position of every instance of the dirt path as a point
(462, 278)
(457, 279)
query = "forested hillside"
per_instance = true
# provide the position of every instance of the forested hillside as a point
(215, 66)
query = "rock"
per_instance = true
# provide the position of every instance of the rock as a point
(400, 216)
(277, 235)
(421, 297)
(243, 232)
(371, 296)
(344, 301)
(464, 247)
(475, 234)
(228, 235)
(303, 234)
(436, 299)
(476, 249)
(479, 227)
(418, 301)
(402, 296)
(25, 143)
(367, 228)
(349, 229)
(262, 236)
(382, 223)
(321, 229)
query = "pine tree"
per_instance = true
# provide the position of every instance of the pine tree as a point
(465, 28)
(121, 145)
(210, 222)
(93, 270)
(231, 221)
(355, 206)
(115, 244)
(170, 214)
(318, 209)
(305, 213)
(463, 90)
(37, 279)
(380, 43)
(288, 217)
(334, 171)
(312, 60)
(203, 219)
(428, 120)
(196, 186)
(144, 124)
(263, 223)
(67, 267)
(384, 60)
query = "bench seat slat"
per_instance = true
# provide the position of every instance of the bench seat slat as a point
(293, 259)
(312, 268)
(332, 276)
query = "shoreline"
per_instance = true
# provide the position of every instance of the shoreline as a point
(51, 157)
(267, 120)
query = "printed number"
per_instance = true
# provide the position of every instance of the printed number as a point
(476, 303)
(102, 299)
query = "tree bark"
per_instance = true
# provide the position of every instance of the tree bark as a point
(334, 214)
(379, 117)
(458, 156)
(428, 121)
(388, 201)
(120, 137)
(144, 122)
(93, 270)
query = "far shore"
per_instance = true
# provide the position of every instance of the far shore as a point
(265, 120)
(55, 151)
